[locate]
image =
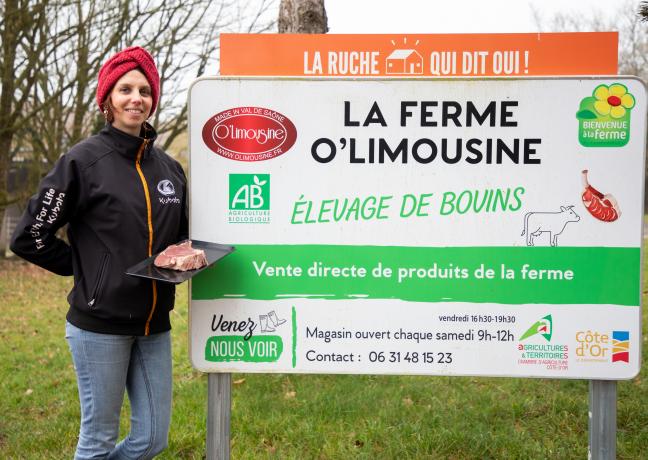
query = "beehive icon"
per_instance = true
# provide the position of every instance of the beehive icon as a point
(404, 62)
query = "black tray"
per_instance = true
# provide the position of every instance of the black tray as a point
(145, 269)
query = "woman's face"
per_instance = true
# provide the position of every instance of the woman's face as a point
(131, 102)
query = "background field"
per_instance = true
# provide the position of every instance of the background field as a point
(293, 416)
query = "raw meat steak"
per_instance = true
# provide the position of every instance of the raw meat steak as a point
(603, 207)
(181, 257)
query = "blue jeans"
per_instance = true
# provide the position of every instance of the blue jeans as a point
(106, 365)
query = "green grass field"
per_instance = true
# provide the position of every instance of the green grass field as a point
(297, 416)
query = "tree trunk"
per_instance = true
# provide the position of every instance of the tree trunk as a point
(302, 17)
(51, 51)
(83, 75)
(9, 40)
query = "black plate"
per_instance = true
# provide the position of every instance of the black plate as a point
(145, 269)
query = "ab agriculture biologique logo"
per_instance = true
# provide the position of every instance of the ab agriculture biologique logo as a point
(249, 199)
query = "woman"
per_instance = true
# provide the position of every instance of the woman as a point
(123, 200)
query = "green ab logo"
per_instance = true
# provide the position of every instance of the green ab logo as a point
(249, 191)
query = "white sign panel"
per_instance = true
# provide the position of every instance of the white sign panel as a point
(463, 227)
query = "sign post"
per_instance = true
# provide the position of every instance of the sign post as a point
(354, 55)
(219, 390)
(419, 227)
(602, 419)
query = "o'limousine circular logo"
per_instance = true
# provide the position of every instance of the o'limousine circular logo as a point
(249, 134)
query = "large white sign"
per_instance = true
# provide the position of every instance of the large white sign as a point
(461, 227)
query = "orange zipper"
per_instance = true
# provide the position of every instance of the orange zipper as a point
(149, 216)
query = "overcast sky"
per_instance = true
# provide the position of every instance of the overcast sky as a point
(456, 16)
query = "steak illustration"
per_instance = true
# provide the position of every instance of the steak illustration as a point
(181, 257)
(603, 207)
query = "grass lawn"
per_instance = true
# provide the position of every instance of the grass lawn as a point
(297, 416)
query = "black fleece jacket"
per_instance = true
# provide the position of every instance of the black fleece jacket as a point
(123, 200)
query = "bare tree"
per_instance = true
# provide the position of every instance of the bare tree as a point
(302, 17)
(633, 36)
(24, 37)
(52, 51)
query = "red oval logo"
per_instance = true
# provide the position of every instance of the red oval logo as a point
(249, 134)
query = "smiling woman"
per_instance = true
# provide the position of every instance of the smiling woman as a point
(123, 199)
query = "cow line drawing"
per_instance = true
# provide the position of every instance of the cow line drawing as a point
(553, 223)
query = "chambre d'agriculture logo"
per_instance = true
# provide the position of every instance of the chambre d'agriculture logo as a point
(249, 199)
(538, 349)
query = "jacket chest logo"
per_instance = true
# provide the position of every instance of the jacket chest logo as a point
(165, 187)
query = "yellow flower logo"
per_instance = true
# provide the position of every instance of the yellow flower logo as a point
(613, 100)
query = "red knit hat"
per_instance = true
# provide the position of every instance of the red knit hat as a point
(123, 62)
